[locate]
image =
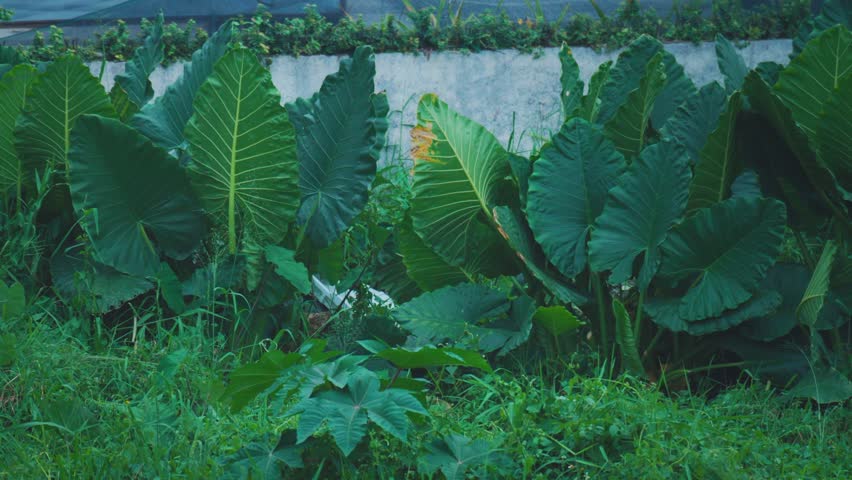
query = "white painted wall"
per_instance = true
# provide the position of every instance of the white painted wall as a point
(488, 86)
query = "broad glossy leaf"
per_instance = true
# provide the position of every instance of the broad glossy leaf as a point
(390, 273)
(590, 105)
(810, 79)
(696, 118)
(627, 73)
(57, 98)
(568, 189)
(639, 212)
(247, 381)
(509, 332)
(164, 119)
(572, 86)
(628, 127)
(789, 280)
(430, 357)
(134, 198)
(834, 135)
(454, 455)
(515, 230)
(823, 384)
(244, 165)
(134, 81)
(718, 162)
(340, 133)
(556, 320)
(724, 251)
(459, 169)
(13, 98)
(289, 268)
(265, 457)
(428, 270)
(449, 312)
(667, 312)
(731, 64)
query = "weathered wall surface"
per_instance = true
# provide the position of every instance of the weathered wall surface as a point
(492, 88)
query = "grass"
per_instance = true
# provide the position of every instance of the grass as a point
(115, 408)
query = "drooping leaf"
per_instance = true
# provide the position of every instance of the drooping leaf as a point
(568, 189)
(626, 339)
(509, 332)
(458, 171)
(100, 287)
(725, 251)
(572, 86)
(164, 119)
(289, 268)
(824, 384)
(134, 81)
(171, 290)
(514, 229)
(57, 98)
(747, 184)
(628, 127)
(731, 64)
(834, 135)
(556, 320)
(667, 312)
(135, 200)
(340, 132)
(521, 171)
(428, 270)
(790, 281)
(430, 357)
(639, 212)
(696, 118)
(448, 312)
(244, 167)
(810, 79)
(815, 294)
(13, 98)
(718, 163)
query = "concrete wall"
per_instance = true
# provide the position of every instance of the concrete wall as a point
(488, 87)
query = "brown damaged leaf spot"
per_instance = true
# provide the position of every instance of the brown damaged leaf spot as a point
(503, 232)
(421, 141)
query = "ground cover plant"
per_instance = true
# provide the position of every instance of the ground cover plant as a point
(209, 284)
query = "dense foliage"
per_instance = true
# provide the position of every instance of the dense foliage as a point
(449, 28)
(487, 315)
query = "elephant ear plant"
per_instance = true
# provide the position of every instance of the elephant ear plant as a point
(656, 212)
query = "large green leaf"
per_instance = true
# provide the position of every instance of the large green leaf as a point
(289, 268)
(13, 98)
(458, 173)
(833, 12)
(340, 133)
(455, 454)
(823, 384)
(639, 212)
(58, 97)
(428, 270)
(164, 119)
(696, 118)
(815, 294)
(626, 339)
(264, 459)
(790, 280)
(627, 73)
(568, 189)
(591, 102)
(572, 86)
(515, 230)
(449, 312)
(135, 199)
(724, 251)
(810, 79)
(834, 135)
(390, 274)
(556, 320)
(13, 301)
(731, 64)
(718, 163)
(430, 357)
(668, 313)
(628, 127)
(244, 166)
(134, 81)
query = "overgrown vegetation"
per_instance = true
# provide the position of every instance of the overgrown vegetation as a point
(448, 28)
(211, 284)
